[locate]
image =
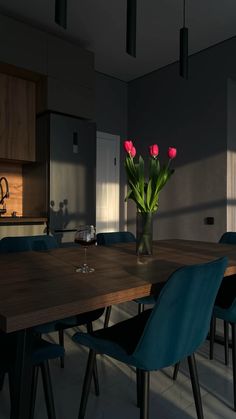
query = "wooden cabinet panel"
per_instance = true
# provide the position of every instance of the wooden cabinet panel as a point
(17, 118)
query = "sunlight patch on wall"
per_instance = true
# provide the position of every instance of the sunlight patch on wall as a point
(107, 214)
(231, 191)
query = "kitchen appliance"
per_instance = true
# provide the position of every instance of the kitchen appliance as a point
(71, 173)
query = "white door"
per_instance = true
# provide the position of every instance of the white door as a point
(107, 184)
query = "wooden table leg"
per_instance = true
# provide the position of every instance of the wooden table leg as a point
(22, 375)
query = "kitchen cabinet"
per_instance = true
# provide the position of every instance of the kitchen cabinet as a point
(71, 79)
(17, 118)
(66, 71)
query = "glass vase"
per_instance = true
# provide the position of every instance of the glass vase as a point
(144, 227)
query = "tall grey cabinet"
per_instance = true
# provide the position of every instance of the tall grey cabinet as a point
(71, 172)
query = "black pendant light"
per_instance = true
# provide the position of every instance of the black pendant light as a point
(131, 27)
(61, 12)
(183, 48)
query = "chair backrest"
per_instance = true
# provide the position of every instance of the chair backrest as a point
(27, 243)
(181, 317)
(108, 239)
(228, 238)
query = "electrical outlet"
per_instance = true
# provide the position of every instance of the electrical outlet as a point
(209, 220)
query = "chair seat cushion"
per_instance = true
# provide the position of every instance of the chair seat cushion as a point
(118, 341)
(44, 350)
(227, 314)
(227, 292)
(126, 333)
(72, 321)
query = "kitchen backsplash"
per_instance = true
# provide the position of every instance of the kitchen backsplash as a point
(13, 173)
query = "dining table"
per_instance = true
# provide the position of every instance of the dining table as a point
(43, 286)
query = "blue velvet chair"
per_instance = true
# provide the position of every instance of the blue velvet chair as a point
(27, 243)
(228, 238)
(162, 336)
(43, 351)
(224, 299)
(44, 243)
(228, 315)
(109, 239)
(225, 309)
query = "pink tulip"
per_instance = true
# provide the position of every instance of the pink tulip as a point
(133, 152)
(172, 152)
(154, 150)
(128, 146)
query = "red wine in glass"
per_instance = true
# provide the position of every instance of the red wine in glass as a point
(85, 243)
(85, 236)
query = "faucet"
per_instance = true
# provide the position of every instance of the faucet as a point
(4, 192)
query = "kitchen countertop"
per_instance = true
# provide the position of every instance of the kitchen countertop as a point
(22, 220)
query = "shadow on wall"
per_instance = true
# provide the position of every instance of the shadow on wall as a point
(63, 222)
(59, 218)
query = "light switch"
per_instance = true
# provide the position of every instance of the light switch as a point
(75, 142)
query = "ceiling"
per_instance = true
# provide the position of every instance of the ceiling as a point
(100, 26)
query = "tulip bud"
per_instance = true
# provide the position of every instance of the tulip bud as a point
(133, 152)
(154, 150)
(128, 146)
(172, 152)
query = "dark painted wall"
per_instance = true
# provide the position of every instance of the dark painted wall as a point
(190, 114)
(111, 105)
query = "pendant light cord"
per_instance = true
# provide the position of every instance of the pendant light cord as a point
(184, 13)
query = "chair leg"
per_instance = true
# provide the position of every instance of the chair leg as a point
(10, 378)
(144, 405)
(107, 316)
(195, 385)
(2, 376)
(34, 390)
(212, 336)
(47, 385)
(95, 370)
(140, 308)
(138, 386)
(87, 383)
(234, 361)
(226, 341)
(61, 342)
(176, 370)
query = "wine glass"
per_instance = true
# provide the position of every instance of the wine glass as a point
(85, 236)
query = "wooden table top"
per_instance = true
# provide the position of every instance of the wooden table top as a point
(38, 287)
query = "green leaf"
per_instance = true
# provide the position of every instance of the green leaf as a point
(141, 176)
(137, 196)
(149, 194)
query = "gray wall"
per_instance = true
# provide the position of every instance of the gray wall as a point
(191, 115)
(111, 117)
